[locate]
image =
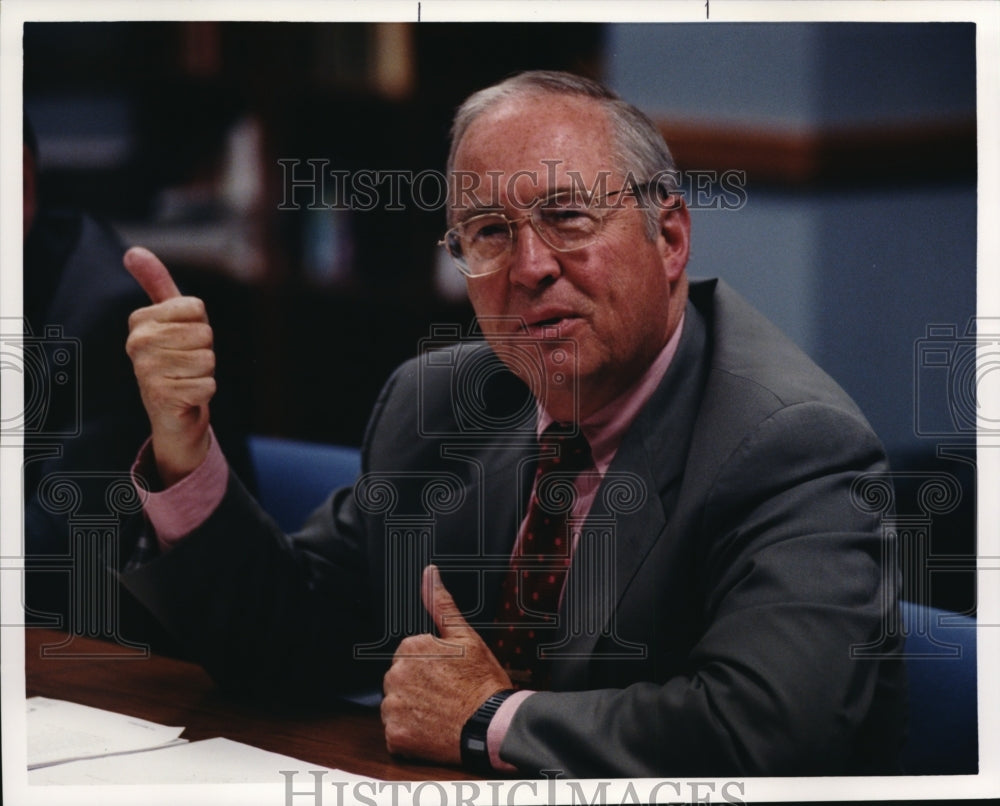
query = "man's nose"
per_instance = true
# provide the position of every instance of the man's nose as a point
(533, 261)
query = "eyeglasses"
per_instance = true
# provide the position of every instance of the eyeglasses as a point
(564, 221)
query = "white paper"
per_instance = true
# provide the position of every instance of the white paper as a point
(60, 731)
(211, 761)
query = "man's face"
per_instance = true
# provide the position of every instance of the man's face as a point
(616, 301)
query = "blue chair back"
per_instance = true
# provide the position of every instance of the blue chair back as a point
(940, 652)
(294, 477)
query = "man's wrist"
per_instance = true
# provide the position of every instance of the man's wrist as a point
(475, 754)
(176, 457)
(177, 511)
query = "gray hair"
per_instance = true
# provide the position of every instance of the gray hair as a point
(639, 150)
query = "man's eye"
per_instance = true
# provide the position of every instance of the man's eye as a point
(488, 231)
(565, 216)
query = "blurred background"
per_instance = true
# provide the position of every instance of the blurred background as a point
(854, 230)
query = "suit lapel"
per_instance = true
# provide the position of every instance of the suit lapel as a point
(473, 544)
(632, 508)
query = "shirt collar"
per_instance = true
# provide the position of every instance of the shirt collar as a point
(605, 428)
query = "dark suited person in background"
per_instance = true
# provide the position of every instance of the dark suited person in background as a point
(702, 623)
(83, 419)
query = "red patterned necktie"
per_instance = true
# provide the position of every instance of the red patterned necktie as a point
(529, 596)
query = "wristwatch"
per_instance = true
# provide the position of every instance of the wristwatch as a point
(475, 755)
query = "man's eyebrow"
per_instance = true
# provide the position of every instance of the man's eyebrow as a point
(473, 208)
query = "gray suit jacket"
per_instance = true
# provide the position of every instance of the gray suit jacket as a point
(727, 608)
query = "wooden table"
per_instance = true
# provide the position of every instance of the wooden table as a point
(174, 692)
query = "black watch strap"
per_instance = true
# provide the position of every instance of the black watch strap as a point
(475, 755)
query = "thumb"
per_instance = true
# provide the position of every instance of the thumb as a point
(151, 274)
(447, 617)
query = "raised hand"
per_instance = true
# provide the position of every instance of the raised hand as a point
(170, 344)
(435, 684)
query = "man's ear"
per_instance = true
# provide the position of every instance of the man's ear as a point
(674, 236)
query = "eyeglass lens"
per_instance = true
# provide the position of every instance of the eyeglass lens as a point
(483, 243)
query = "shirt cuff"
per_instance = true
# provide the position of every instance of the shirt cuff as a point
(181, 508)
(499, 725)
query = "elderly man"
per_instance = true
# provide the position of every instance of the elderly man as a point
(674, 579)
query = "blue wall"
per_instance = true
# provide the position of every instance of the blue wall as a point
(854, 275)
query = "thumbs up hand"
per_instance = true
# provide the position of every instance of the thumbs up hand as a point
(435, 684)
(170, 344)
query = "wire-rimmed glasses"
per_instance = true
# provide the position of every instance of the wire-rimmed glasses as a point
(565, 221)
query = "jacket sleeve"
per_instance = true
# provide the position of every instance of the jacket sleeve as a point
(794, 583)
(266, 612)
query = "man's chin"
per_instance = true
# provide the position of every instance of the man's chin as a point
(560, 400)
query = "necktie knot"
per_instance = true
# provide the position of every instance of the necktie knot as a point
(563, 450)
(563, 457)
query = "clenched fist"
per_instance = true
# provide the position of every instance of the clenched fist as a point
(170, 344)
(435, 684)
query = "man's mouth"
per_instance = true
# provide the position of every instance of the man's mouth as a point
(548, 322)
(551, 327)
